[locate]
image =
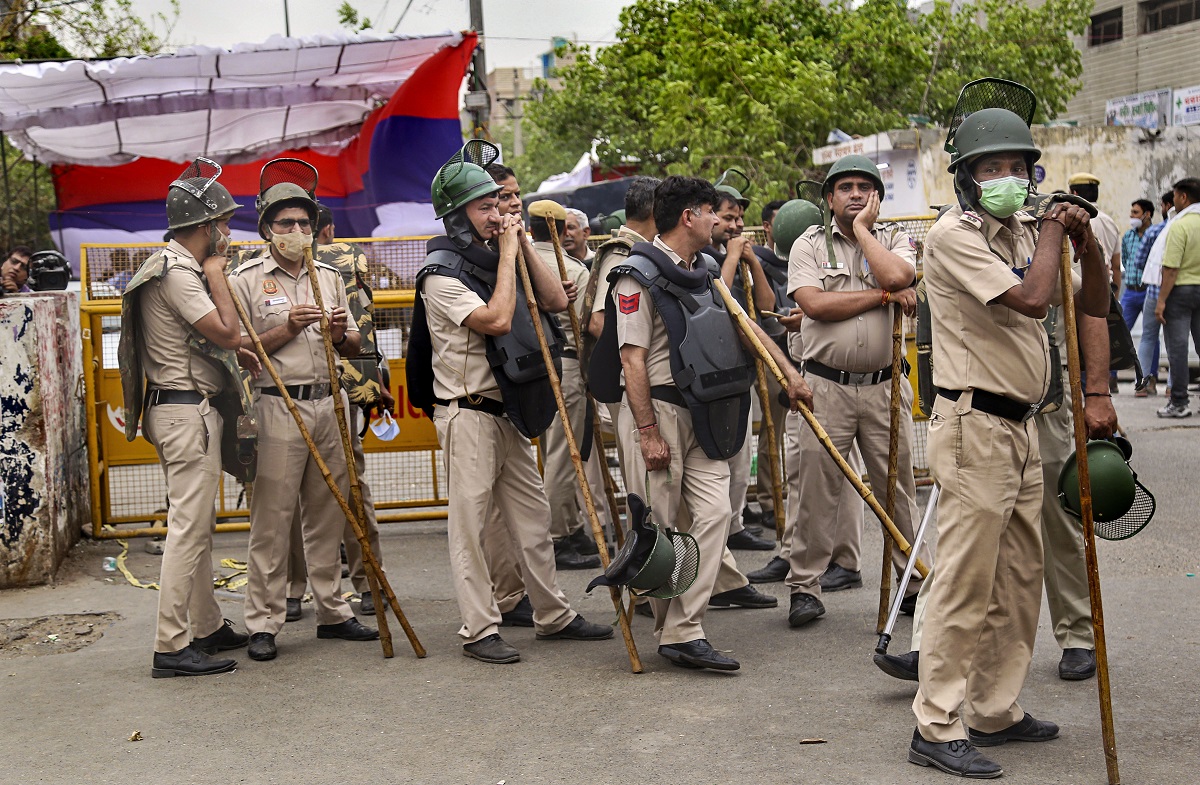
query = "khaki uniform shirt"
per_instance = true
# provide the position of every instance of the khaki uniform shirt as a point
(978, 343)
(861, 344)
(169, 308)
(1108, 235)
(268, 292)
(579, 275)
(460, 364)
(610, 261)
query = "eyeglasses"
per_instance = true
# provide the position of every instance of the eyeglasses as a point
(288, 224)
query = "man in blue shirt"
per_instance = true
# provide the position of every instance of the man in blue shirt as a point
(1148, 347)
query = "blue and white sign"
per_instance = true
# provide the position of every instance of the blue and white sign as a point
(1151, 109)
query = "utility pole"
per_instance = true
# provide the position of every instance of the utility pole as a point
(287, 22)
(477, 100)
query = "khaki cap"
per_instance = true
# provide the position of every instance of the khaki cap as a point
(1083, 178)
(548, 208)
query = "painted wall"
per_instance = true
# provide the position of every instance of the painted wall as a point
(43, 452)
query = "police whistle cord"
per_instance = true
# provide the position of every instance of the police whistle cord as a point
(768, 421)
(819, 430)
(1085, 513)
(360, 516)
(368, 556)
(885, 636)
(885, 574)
(635, 661)
(610, 485)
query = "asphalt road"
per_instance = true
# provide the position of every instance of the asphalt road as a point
(334, 711)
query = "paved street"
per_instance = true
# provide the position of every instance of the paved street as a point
(333, 711)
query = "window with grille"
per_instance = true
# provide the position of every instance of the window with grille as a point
(1106, 28)
(1161, 14)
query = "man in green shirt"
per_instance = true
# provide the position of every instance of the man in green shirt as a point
(1178, 306)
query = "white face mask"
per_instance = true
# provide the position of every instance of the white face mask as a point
(1135, 223)
(291, 245)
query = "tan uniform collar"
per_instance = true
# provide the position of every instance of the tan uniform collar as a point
(184, 255)
(626, 232)
(670, 252)
(1014, 223)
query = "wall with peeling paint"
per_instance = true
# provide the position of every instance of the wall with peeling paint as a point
(43, 440)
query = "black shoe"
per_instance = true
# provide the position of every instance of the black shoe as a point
(746, 541)
(698, 654)
(580, 629)
(900, 666)
(350, 630)
(491, 649)
(644, 609)
(775, 571)
(908, 606)
(224, 639)
(752, 518)
(745, 597)
(804, 608)
(1077, 664)
(366, 604)
(345, 572)
(953, 757)
(188, 661)
(1028, 729)
(262, 646)
(567, 558)
(581, 540)
(837, 578)
(294, 609)
(520, 616)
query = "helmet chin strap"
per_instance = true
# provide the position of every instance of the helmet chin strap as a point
(459, 229)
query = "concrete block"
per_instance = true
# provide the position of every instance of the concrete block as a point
(43, 438)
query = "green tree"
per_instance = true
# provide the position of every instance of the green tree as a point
(348, 17)
(697, 86)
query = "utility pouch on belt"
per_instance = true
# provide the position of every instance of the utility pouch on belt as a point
(926, 392)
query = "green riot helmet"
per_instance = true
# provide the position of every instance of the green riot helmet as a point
(1113, 482)
(852, 164)
(791, 221)
(285, 182)
(733, 183)
(195, 197)
(613, 221)
(654, 562)
(464, 178)
(992, 131)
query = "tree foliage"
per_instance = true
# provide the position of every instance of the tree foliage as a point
(348, 16)
(697, 86)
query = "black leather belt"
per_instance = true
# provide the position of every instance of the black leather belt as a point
(301, 392)
(999, 405)
(157, 396)
(668, 394)
(1141, 288)
(486, 405)
(845, 377)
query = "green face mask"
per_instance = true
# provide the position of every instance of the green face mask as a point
(1004, 196)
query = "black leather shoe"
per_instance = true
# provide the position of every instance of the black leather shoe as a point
(581, 540)
(644, 609)
(774, 572)
(491, 649)
(908, 606)
(262, 646)
(804, 608)
(1028, 729)
(698, 654)
(580, 629)
(350, 630)
(294, 609)
(366, 604)
(520, 616)
(188, 661)
(745, 597)
(837, 578)
(900, 666)
(1077, 664)
(224, 639)
(752, 518)
(747, 541)
(567, 558)
(953, 757)
(345, 572)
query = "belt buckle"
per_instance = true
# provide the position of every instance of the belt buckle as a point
(857, 379)
(1034, 408)
(320, 390)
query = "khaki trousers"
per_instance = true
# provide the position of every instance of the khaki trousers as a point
(286, 468)
(693, 493)
(982, 611)
(494, 484)
(766, 502)
(187, 438)
(739, 479)
(848, 413)
(558, 469)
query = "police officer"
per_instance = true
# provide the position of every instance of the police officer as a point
(179, 329)
(473, 357)
(684, 410)
(277, 293)
(845, 279)
(990, 277)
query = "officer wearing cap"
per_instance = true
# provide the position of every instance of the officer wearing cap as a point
(277, 293)
(179, 334)
(1087, 185)
(991, 276)
(475, 362)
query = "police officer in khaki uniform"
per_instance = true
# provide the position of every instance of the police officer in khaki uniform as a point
(681, 469)
(178, 323)
(277, 293)
(990, 278)
(467, 314)
(845, 279)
